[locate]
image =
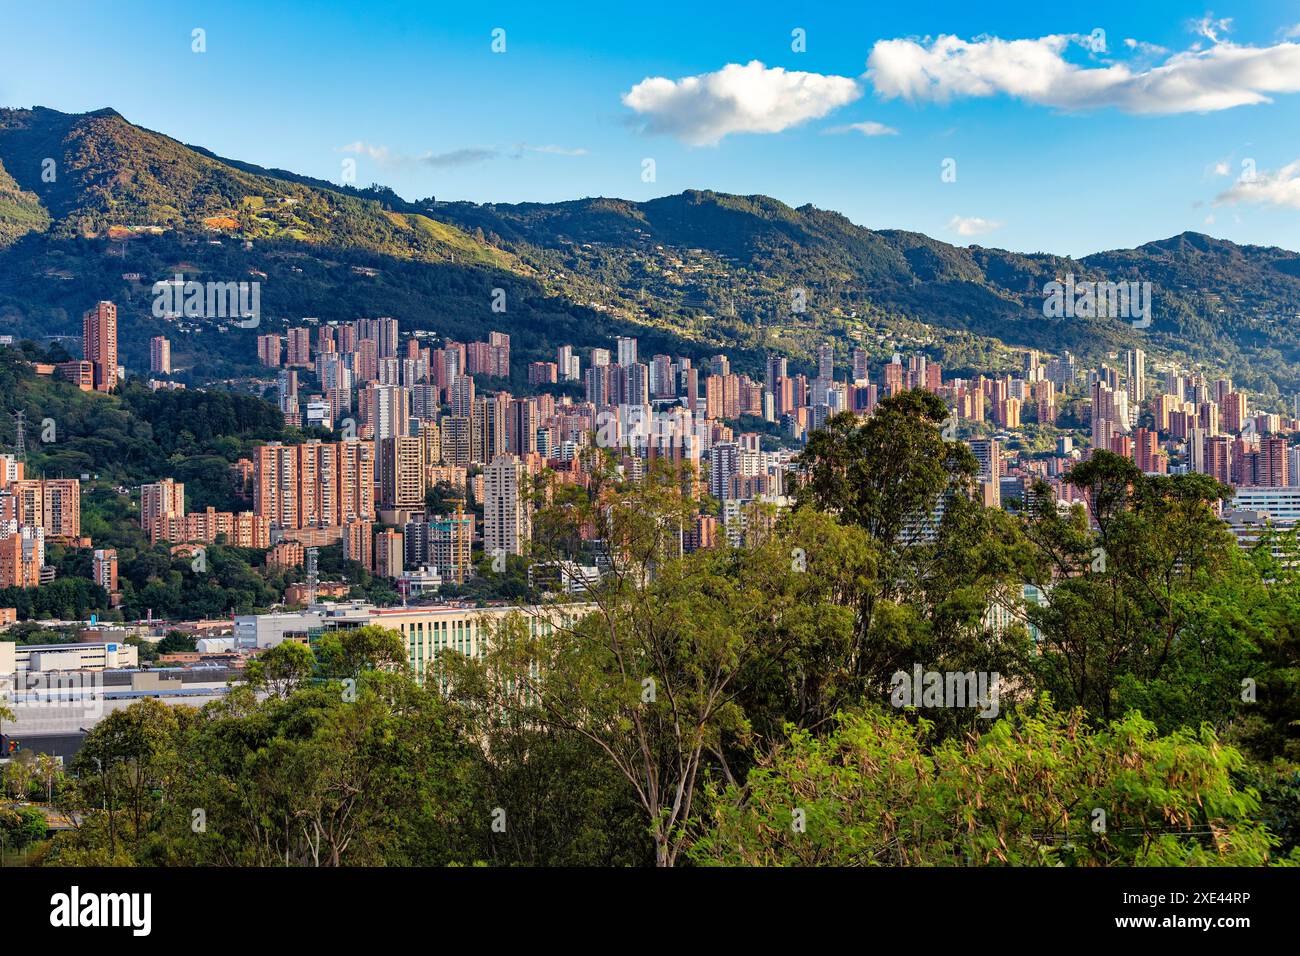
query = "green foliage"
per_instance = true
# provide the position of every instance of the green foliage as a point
(350, 652)
(874, 791)
(1157, 610)
(282, 669)
(940, 559)
(176, 642)
(66, 599)
(22, 826)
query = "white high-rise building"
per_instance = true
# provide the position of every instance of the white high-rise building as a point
(1196, 450)
(570, 365)
(826, 361)
(507, 513)
(626, 351)
(388, 408)
(1135, 366)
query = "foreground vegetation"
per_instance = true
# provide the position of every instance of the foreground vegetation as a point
(733, 706)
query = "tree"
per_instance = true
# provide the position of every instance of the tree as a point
(347, 653)
(323, 777)
(125, 761)
(561, 801)
(650, 673)
(282, 669)
(20, 773)
(940, 559)
(49, 771)
(177, 642)
(6, 712)
(1157, 610)
(22, 826)
(1039, 789)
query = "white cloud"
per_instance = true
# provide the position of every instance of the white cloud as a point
(459, 157)
(378, 153)
(1211, 28)
(1221, 77)
(555, 150)
(1221, 168)
(701, 110)
(867, 128)
(456, 157)
(1279, 188)
(1147, 49)
(467, 156)
(972, 225)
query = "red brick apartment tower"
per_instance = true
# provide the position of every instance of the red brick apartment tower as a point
(160, 355)
(99, 340)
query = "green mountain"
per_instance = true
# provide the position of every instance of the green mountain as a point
(1228, 306)
(699, 271)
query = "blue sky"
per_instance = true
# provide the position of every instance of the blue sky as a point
(1057, 145)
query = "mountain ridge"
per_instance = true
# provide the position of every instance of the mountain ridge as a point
(696, 266)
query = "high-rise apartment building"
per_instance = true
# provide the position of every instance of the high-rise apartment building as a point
(160, 355)
(861, 361)
(570, 365)
(104, 569)
(451, 538)
(315, 484)
(1135, 379)
(1218, 458)
(11, 469)
(53, 504)
(268, 350)
(521, 426)
(461, 395)
(402, 472)
(1233, 410)
(988, 452)
(159, 502)
(826, 361)
(626, 351)
(386, 408)
(99, 342)
(507, 512)
(488, 435)
(358, 542)
(299, 354)
(389, 554)
(365, 361)
(386, 336)
(455, 440)
(1271, 463)
(22, 555)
